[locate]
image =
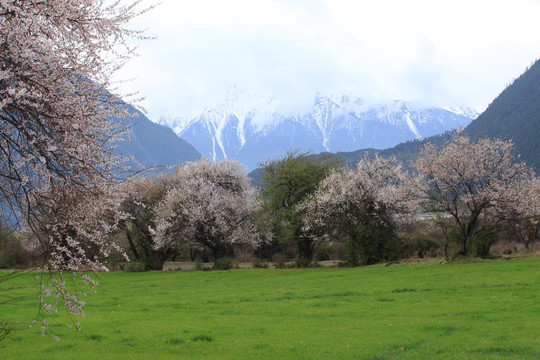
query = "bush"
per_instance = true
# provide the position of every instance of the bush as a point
(323, 251)
(376, 245)
(259, 263)
(420, 244)
(135, 267)
(480, 243)
(199, 265)
(12, 254)
(280, 259)
(352, 254)
(225, 263)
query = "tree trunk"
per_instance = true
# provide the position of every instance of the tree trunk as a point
(158, 259)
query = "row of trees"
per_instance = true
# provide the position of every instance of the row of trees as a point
(205, 210)
(471, 191)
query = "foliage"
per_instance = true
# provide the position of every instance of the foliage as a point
(12, 253)
(209, 205)
(285, 183)
(419, 244)
(471, 184)
(323, 251)
(377, 244)
(225, 263)
(135, 266)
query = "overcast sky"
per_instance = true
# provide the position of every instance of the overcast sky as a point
(443, 53)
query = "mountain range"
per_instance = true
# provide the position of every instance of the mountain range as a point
(252, 130)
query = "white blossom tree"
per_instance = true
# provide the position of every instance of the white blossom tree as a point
(523, 212)
(471, 184)
(57, 124)
(210, 205)
(360, 205)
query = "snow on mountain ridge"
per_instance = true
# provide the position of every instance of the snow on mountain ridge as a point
(247, 127)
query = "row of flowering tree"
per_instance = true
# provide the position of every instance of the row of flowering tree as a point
(471, 190)
(59, 123)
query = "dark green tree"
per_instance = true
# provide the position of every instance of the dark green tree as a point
(12, 254)
(285, 183)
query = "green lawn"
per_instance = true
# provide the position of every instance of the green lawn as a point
(485, 310)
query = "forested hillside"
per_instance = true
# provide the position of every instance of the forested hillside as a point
(515, 115)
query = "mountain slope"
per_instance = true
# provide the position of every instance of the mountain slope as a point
(153, 145)
(515, 115)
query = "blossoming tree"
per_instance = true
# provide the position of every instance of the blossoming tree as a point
(523, 212)
(360, 206)
(209, 205)
(143, 196)
(57, 168)
(471, 183)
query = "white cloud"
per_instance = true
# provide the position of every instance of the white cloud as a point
(435, 52)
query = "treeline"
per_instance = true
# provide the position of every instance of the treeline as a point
(458, 198)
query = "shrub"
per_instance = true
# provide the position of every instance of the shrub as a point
(376, 245)
(352, 254)
(225, 263)
(323, 251)
(135, 267)
(420, 244)
(259, 263)
(199, 265)
(280, 259)
(480, 243)
(12, 254)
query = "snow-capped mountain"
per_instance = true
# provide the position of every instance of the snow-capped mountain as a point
(251, 129)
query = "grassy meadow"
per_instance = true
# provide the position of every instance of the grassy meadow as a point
(482, 310)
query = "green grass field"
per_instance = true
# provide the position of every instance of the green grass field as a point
(484, 310)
